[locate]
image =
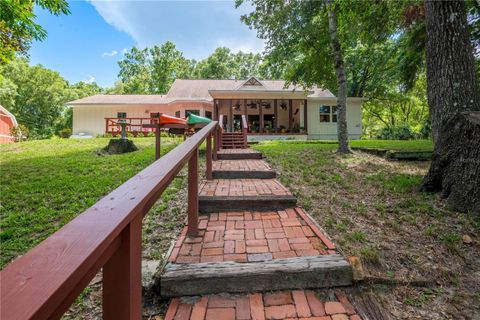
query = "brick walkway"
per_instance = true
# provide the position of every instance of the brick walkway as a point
(296, 304)
(252, 237)
(241, 165)
(242, 187)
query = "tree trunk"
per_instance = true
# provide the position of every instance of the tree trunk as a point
(454, 101)
(341, 80)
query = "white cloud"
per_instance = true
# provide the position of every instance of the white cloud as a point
(109, 54)
(89, 79)
(196, 27)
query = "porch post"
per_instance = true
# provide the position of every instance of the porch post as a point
(230, 116)
(305, 116)
(290, 105)
(245, 111)
(209, 157)
(260, 112)
(215, 111)
(275, 111)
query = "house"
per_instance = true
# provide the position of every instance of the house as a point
(272, 110)
(7, 123)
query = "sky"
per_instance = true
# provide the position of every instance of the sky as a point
(86, 45)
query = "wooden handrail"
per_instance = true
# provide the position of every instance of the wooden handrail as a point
(44, 282)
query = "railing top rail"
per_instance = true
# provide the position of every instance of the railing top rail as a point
(37, 283)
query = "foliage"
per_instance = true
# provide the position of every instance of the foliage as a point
(20, 132)
(36, 96)
(403, 132)
(65, 133)
(18, 27)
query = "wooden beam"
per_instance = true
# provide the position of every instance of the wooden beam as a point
(215, 110)
(157, 141)
(260, 112)
(290, 115)
(275, 111)
(305, 115)
(245, 111)
(193, 194)
(209, 157)
(230, 116)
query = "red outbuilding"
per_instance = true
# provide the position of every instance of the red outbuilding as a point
(7, 122)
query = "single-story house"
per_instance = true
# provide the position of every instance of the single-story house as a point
(7, 123)
(272, 110)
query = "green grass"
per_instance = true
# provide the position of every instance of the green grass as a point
(48, 182)
(396, 145)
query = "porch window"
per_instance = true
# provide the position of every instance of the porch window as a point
(121, 115)
(328, 114)
(177, 114)
(208, 114)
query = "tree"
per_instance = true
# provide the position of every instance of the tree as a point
(306, 33)
(218, 65)
(454, 101)
(18, 27)
(36, 96)
(136, 72)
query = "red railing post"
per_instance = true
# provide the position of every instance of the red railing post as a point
(193, 194)
(157, 142)
(209, 157)
(122, 276)
(215, 144)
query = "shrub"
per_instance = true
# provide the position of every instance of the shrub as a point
(21, 133)
(403, 132)
(65, 133)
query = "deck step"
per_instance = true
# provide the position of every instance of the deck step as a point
(234, 277)
(209, 204)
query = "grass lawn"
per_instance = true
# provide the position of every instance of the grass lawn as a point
(396, 145)
(365, 203)
(48, 182)
(370, 208)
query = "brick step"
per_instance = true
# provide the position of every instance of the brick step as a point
(244, 174)
(303, 304)
(324, 271)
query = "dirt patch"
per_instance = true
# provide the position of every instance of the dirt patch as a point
(370, 208)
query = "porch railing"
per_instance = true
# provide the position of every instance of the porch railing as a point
(44, 282)
(134, 125)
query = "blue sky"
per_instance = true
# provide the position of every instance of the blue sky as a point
(86, 45)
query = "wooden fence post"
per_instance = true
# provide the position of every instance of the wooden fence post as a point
(209, 157)
(157, 142)
(193, 194)
(215, 144)
(122, 276)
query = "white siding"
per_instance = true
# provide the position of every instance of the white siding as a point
(328, 131)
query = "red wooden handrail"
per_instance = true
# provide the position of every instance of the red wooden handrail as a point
(44, 282)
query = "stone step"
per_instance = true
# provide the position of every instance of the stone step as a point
(209, 204)
(242, 174)
(239, 154)
(324, 271)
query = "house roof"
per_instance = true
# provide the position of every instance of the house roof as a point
(7, 113)
(199, 90)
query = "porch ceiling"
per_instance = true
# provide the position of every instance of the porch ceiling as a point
(258, 94)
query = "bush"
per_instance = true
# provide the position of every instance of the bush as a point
(21, 133)
(403, 132)
(65, 133)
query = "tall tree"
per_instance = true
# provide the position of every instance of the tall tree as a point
(454, 101)
(18, 27)
(339, 64)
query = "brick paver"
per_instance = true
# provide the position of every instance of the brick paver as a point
(240, 165)
(228, 151)
(251, 237)
(243, 187)
(298, 304)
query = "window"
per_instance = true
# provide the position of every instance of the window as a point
(328, 113)
(195, 112)
(177, 114)
(121, 115)
(325, 113)
(208, 114)
(155, 115)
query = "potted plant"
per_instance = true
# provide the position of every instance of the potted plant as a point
(268, 128)
(283, 129)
